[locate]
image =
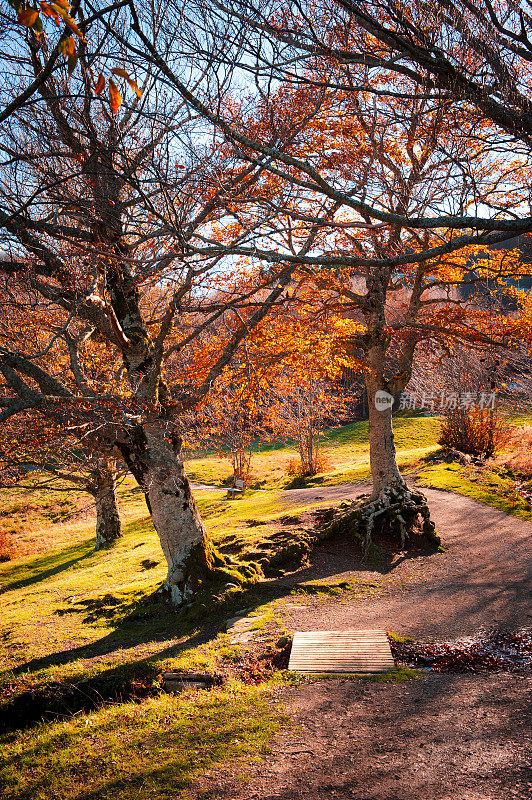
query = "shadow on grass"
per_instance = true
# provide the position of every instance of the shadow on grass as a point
(46, 566)
(140, 619)
(64, 698)
(150, 619)
(137, 619)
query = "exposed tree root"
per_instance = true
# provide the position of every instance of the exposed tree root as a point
(397, 512)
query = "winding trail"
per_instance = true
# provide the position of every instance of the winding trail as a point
(483, 579)
(440, 737)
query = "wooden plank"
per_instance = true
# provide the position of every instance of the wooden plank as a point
(341, 652)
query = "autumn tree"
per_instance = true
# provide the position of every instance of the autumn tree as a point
(477, 52)
(304, 394)
(283, 383)
(233, 422)
(229, 422)
(44, 459)
(38, 450)
(101, 198)
(387, 171)
(53, 23)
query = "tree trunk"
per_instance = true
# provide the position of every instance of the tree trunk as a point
(382, 456)
(103, 489)
(191, 557)
(393, 509)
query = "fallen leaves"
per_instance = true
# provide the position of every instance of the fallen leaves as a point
(488, 651)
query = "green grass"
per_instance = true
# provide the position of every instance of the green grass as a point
(346, 449)
(74, 618)
(395, 675)
(396, 637)
(78, 618)
(133, 750)
(78, 596)
(392, 675)
(457, 478)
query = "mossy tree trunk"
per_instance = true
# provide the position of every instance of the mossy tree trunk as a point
(152, 450)
(102, 486)
(393, 509)
(154, 456)
(187, 548)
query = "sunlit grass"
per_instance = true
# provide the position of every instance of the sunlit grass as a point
(455, 478)
(70, 615)
(345, 449)
(132, 750)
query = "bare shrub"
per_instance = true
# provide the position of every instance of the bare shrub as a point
(477, 432)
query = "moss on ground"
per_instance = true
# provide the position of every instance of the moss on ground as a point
(396, 637)
(484, 486)
(393, 675)
(132, 750)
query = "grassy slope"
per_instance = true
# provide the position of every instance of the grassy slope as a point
(131, 750)
(491, 489)
(345, 449)
(93, 611)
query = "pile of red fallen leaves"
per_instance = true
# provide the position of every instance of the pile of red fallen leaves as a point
(257, 668)
(253, 669)
(488, 651)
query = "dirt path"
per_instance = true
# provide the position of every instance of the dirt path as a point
(440, 737)
(443, 737)
(484, 577)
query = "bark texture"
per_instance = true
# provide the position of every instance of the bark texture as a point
(191, 557)
(103, 489)
(183, 537)
(393, 509)
(382, 456)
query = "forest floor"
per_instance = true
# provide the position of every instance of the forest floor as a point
(440, 737)
(85, 640)
(452, 736)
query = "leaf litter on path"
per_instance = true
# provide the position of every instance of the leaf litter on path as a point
(489, 650)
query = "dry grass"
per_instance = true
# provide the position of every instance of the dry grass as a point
(36, 521)
(516, 456)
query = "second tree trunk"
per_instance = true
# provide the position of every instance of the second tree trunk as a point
(103, 489)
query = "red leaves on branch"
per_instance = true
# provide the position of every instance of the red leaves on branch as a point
(100, 84)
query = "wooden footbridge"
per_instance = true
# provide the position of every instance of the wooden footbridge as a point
(341, 652)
